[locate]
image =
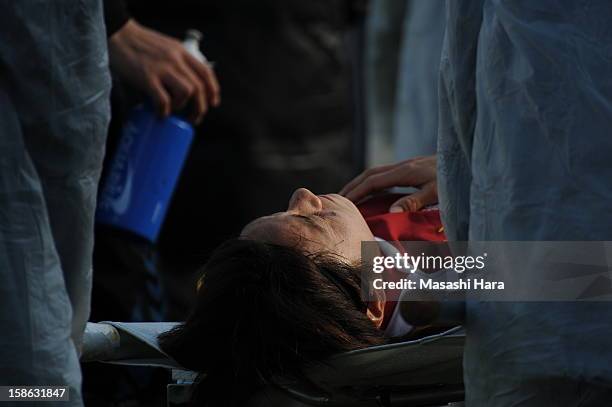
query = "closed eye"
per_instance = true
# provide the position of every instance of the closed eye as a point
(325, 214)
(311, 222)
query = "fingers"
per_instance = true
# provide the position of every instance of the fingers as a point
(403, 174)
(373, 183)
(162, 67)
(179, 87)
(160, 96)
(207, 75)
(198, 98)
(427, 195)
(348, 188)
(190, 81)
(413, 172)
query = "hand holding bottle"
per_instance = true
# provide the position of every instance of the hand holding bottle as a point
(165, 69)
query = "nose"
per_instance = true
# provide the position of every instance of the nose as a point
(304, 202)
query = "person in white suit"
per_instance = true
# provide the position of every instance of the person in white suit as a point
(54, 113)
(524, 147)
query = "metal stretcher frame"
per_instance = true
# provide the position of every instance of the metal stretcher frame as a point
(423, 372)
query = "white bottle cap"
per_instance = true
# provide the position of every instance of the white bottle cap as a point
(192, 45)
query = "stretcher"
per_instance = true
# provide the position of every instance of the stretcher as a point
(423, 372)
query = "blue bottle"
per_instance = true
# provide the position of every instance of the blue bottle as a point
(146, 167)
(143, 172)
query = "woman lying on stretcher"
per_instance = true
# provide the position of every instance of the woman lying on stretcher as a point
(286, 293)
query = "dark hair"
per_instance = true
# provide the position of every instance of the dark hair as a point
(263, 311)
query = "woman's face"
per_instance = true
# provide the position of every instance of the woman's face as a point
(329, 223)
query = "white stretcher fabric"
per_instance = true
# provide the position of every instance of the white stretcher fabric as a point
(434, 359)
(127, 343)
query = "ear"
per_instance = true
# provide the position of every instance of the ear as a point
(376, 312)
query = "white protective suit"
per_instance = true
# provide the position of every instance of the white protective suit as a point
(415, 127)
(525, 153)
(405, 41)
(54, 112)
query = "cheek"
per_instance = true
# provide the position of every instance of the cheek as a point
(354, 230)
(359, 228)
